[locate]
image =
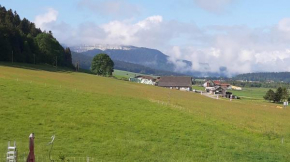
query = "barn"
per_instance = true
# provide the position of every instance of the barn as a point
(183, 83)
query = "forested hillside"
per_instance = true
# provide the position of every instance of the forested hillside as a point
(21, 41)
(274, 76)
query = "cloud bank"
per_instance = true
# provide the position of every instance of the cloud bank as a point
(227, 50)
(113, 8)
(215, 6)
(50, 16)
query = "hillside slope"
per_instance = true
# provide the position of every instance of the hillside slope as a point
(111, 120)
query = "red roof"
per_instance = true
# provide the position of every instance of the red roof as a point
(217, 82)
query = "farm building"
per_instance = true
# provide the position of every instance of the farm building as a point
(144, 80)
(210, 84)
(216, 87)
(183, 83)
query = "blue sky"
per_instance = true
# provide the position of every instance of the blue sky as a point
(241, 35)
(237, 12)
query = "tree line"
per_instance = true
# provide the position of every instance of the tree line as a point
(258, 84)
(265, 76)
(21, 41)
(281, 94)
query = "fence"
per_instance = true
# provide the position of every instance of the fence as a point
(44, 158)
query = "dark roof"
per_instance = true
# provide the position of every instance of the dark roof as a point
(175, 81)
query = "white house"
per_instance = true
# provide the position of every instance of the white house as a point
(144, 80)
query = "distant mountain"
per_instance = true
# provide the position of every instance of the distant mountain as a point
(85, 63)
(142, 58)
(137, 55)
(265, 76)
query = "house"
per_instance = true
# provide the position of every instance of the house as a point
(183, 83)
(143, 79)
(220, 90)
(210, 83)
(216, 87)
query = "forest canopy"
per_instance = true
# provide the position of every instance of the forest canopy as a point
(21, 41)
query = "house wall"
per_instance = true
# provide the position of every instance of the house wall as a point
(147, 81)
(181, 88)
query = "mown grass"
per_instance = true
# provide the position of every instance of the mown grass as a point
(113, 120)
(124, 74)
(200, 88)
(120, 74)
(251, 93)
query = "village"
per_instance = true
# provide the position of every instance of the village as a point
(212, 88)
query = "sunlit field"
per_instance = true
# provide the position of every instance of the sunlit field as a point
(107, 119)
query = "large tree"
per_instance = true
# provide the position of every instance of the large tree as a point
(278, 94)
(285, 94)
(270, 95)
(103, 65)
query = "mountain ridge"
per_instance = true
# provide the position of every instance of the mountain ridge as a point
(137, 55)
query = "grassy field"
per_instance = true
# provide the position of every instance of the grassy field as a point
(196, 87)
(251, 93)
(111, 120)
(120, 74)
(245, 94)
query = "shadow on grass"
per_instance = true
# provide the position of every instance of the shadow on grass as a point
(39, 67)
(47, 67)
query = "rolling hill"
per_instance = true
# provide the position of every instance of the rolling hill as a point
(112, 120)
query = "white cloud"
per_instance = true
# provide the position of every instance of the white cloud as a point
(42, 20)
(113, 8)
(215, 6)
(224, 49)
(284, 25)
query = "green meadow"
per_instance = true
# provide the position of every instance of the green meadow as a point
(251, 93)
(120, 74)
(107, 119)
(124, 74)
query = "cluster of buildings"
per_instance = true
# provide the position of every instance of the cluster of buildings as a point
(183, 83)
(217, 87)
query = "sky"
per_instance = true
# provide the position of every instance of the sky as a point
(228, 36)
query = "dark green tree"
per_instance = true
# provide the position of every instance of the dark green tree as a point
(285, 94)
(103, 65)
(270, 95)
(50, 49)
(278, 94)
(67, 57)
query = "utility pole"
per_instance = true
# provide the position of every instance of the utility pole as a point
(12, 56)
